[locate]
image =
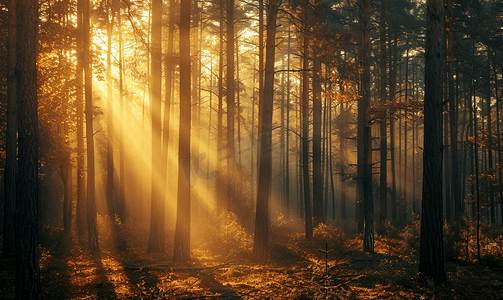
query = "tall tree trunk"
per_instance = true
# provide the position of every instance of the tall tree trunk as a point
(490, 144)
(92, 232)
(81, 180)
(167, 104)
(261, 237)
(156, 238)
(110, 111)
(287, 142)
(122, 123)
(383, 178)
(453, 115)
(365, 147)
(182, 230)
(8, 246)
(26, 207)
(317, 169)
(431, 253)
(392, 91)
(500, 155)
(221, 195)
(231, 162)
(305, 128)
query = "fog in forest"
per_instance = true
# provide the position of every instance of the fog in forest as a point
(225, 149)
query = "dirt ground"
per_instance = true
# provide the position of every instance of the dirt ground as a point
(298, 269)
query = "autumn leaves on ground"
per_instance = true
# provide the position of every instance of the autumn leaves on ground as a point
(222, 267)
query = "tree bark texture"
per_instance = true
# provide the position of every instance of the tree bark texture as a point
(92, 232)
(8, 246)
(261, 238)
(366, 149)
(156, 238)
(431, 255)
(182, 230)
(26, 208)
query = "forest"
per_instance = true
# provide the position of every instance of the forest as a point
(239, 149)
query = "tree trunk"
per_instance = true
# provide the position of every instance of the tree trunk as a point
(231, 162)
(92, 232)
(122, 124)
(431, 253)
(26, 207)
(221, 197)
(156, 238)
(182, 230)
(383, 178)
(305, 129)
(366, 149)
(453, 115)
(81, 180)
(110, 111)
(261, 238)
(9, 178)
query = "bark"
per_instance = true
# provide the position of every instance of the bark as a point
(156, 238)
(182, 230)
(110, 122)
(231, 162)
(81, 180)
(221, 196)
(92, 232)
(122, 123)
(261, 237)
(431, 253)
(9, 178)
(26, 207)
(305, 130)
(317, 168)
(383, 178)
(365, 146)
(453, 116)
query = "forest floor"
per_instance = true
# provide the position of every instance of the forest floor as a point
(297, 269)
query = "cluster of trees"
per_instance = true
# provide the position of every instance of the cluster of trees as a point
(277, 96)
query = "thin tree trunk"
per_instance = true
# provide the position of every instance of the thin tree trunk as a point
(156, 237)
(453, 115)
(92, 232)
(231, 162)
(305, 130)
(383, 178)
(182, 229)
(366, 149)
(221, 197)
(81, 180)
(110, 112)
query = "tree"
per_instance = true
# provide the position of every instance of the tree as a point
(305, 127)
(317, 169)
(364, 140)
(156, 238)
(231, 162)
(182, 230)
(11, 141)
(26, 209)
(261, 238)
(110, 149)
(92, 232)
(431, 253)
(383, 178)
